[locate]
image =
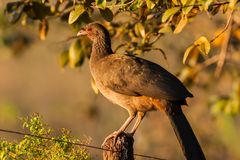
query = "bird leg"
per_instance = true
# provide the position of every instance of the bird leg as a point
(137, 123)
(122, 129)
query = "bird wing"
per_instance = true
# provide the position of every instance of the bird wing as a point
(134, 76)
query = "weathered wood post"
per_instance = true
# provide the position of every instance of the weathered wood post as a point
(121, 150)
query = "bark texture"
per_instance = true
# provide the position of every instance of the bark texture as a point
(121, 150)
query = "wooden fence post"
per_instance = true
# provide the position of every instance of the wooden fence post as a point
(121, 150)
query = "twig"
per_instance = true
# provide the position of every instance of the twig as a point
(206, 63)
(224, 48)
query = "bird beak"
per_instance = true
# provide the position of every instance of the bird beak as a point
(82, 32)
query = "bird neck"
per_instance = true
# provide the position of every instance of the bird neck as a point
(101, 47)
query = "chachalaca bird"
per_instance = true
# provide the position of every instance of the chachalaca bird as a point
(139, 86)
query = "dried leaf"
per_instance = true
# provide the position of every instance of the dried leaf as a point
(169, 12)
(43, 29)
(74, 14)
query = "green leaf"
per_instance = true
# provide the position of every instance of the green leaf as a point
(181, 24)
(64, 58)
(188, 52)
(203, 45)
(139, 30)
(169, 12)
(165, 29)
(74, 14)
(106, 14)
(101, 3)
(75, 54)
(150, 4)
(189, 4)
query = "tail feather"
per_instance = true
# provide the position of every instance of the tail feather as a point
(184, 133)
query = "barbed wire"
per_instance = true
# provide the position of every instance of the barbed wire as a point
(74, 143)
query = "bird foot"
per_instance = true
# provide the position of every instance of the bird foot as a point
(114, 135)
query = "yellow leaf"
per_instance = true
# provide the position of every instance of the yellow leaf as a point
(232, 4)
(176, 2)
(203, 45)
(43, 29)
(219, 40)
(74, 14)
(165, 29)
(139, 29)
(189, 6)
(181, 24)
(150, 4)
(169, 12)
(94, 87)
(236, 33)
(188, 52)
(184, 2)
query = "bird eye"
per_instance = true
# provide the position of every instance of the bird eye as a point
(89, 29)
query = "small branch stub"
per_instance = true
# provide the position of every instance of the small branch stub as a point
(121, 150)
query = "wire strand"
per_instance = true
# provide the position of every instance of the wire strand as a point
(73, 143)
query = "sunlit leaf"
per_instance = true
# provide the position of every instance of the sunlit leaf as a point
(189, 6)
(188, 52)
(94, 87)
(43, 29)
(181, 24)
(75, 54)
(150, 4)
(169, 12)
(74, 14)
(224, 8)
(64, 58)
(219, 38)
(101, 3)
(206, 4)
(232, 4)
(106, 14)
(184, 2)
(139, 29)
(203, 45)
(176, 2)
(165, 29)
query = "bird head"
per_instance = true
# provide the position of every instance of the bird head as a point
(94, 31)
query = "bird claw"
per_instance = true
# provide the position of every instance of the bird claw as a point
(114, 135)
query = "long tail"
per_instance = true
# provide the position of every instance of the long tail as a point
(185, 135)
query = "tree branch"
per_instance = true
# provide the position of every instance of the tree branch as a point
(224, 48)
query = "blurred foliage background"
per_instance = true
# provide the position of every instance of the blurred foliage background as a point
(44, 68)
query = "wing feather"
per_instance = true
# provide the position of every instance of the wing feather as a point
(134, 76)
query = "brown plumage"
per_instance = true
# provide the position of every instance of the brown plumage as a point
(138, 86)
